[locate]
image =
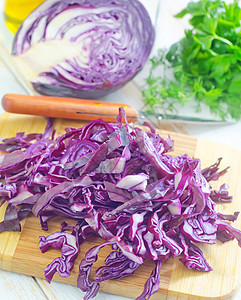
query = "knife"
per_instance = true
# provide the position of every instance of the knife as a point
(88, 110)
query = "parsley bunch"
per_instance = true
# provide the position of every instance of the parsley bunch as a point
(205, 64)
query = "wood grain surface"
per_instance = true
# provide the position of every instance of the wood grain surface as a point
(19, 252)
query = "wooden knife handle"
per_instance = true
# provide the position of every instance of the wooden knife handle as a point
(68, 108)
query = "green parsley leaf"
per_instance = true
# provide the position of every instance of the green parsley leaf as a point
(205, 64)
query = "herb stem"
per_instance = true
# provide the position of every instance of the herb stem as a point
(217, 37)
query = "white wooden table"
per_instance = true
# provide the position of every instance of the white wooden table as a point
(169, 30)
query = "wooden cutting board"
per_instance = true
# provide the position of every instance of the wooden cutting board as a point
(19, 252)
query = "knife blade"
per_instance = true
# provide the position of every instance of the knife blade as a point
(180, 119)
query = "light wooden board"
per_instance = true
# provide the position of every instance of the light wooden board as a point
(19, 252)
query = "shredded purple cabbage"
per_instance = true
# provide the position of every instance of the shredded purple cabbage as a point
(69, 247)
(120, 183)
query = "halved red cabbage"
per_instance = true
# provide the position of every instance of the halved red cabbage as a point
(117, 182)
(83, 48)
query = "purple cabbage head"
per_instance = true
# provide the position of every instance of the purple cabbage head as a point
(101, 46)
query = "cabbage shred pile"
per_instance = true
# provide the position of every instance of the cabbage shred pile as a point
(117, 182)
